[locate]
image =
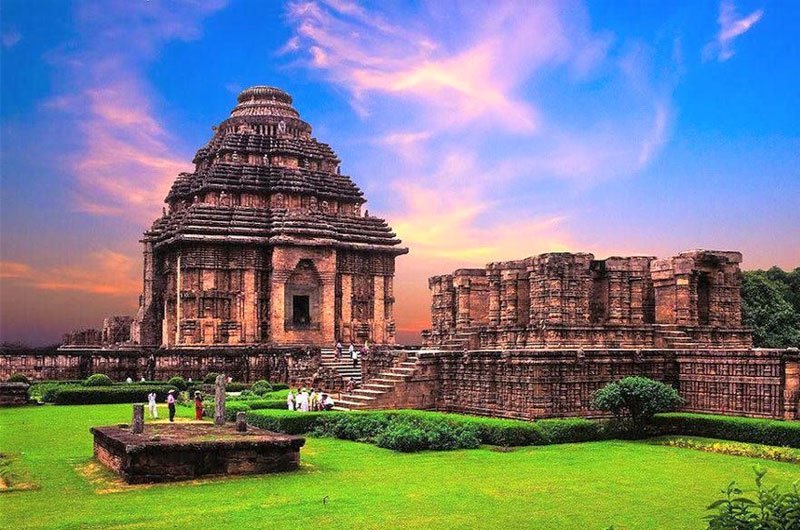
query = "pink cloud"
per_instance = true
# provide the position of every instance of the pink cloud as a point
(731, 26)
(105, 272)
(127, 158)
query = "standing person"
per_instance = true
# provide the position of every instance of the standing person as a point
(198, 406)
(290, 400)
(302, 401)
(338, 350)
(350, 385)
(129, 380)
(151, 404)
(171, 405)
(312, 400)
(353, 355)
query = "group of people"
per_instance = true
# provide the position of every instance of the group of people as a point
(352, 352)
(152, 404)
(304, 400)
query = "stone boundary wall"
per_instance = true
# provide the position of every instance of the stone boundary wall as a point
(532, 384)
(13, 394)
(285, 365)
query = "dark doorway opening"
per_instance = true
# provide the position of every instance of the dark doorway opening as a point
(703, 292)
(301, 310)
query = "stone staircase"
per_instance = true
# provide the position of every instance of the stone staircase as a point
(343, 366)
(676, 339)
(378, 391)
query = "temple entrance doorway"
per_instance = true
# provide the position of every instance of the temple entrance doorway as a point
(301, 310)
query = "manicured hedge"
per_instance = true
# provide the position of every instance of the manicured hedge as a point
(369, 426)
(752, 430)
(286, 421)
(114, 394)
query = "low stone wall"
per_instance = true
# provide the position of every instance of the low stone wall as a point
(560, 383)
(286, 365)
(183, 452)
(13, 394)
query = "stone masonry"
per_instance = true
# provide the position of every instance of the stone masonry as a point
(565, 300)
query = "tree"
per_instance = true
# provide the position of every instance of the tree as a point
(636, 400)
(767, 307)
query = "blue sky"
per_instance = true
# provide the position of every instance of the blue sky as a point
(481, 130)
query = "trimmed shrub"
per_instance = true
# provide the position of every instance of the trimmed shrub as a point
(286, 421)
(231, 409)
(103, 395)
(410, 434)
(98, 380)
(636, 400)
(752, 430)
(572, 430)
(279, 386)
(236, 387)
(19, 378)
(261, 387)
(178, 382)
(210, 378)
(357, 426)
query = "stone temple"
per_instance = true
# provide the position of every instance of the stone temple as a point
(266, 243)
(263, 258)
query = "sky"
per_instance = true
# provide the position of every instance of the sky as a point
(482, 131)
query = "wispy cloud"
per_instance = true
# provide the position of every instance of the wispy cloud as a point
(11, 38)
(105, 272)
(126, 160)
(731, 26)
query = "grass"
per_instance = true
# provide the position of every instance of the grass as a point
(631, 485)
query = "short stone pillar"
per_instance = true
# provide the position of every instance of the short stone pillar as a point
(241, 421)
(137, 425)
(219, 400)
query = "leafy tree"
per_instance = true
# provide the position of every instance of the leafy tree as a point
(636, 400)
(772, 508)
(768, 307)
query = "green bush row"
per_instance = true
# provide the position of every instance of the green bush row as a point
(404, 429)
(113, 394)
(752, 430)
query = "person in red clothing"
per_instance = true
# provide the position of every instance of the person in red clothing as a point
(198, 406)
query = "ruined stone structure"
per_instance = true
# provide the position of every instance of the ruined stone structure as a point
(538, 337)
(565, 300)
(265, 243)
(536, 383)
(294, 366)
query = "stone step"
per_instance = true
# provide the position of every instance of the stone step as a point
(367, 392)
(377, 386)
(393, 376)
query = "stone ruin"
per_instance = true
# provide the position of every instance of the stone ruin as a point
(563, 300)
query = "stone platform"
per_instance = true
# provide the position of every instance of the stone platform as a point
(169, 452)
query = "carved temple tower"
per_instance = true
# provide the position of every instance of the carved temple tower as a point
(265, 242)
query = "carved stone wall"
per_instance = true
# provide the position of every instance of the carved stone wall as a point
(563, 300)
(532, 384)
(286, 365)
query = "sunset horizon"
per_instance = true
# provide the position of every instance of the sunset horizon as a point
(615, 130)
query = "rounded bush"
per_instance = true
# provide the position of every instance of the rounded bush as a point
(210, 378)
(19, 378)
(178, 382)
(261, 387)
(98, 380)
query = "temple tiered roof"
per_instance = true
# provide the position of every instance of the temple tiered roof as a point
(262, 178)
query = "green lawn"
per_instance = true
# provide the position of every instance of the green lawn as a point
(591, 485)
